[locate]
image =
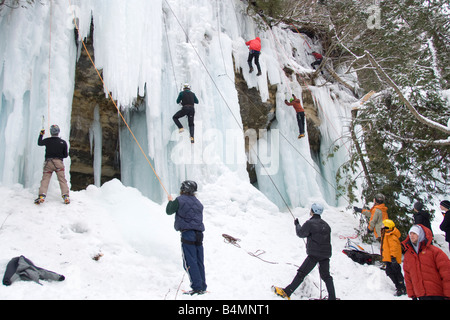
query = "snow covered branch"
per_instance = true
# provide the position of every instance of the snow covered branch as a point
(408, 104)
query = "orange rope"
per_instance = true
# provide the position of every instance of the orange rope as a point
(115, 104)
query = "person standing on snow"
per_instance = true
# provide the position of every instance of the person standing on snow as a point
(445, 224)
(255, 50)
(189, 221)
(426, 267)
(55, 153)
(188, 99)
(318, 249)
(376, 215)
(421, 216)
(295, 102)
(391, 253)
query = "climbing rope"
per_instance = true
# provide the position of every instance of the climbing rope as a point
(49, 65)
(257, 254)
(115, 104)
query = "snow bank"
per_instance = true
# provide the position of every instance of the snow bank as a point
(142, 255)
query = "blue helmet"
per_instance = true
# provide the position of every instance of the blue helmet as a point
(317, 208)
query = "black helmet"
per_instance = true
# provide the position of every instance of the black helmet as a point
(188, 187)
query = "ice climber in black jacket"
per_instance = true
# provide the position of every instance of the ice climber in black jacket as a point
(318, 248)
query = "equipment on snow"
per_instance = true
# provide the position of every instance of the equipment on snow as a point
(21, 268)
(359, 254)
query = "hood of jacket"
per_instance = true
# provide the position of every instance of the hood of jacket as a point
(425, 239)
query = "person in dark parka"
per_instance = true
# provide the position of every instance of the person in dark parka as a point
(445, 224)
(318, 248)
(421, 216)
(189, 221)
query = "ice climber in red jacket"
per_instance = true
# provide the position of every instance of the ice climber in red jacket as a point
(255, 50)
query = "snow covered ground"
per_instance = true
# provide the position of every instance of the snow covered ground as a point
(141, 250)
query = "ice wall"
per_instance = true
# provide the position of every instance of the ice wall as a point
(25, 80)
(150, 48)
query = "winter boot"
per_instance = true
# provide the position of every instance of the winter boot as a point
(251, 70)
(280, 292)
(301, 135)
(258, 74)
(40, 199)
(66, 199)
(181, 130)
(192, 292)
(192, 140)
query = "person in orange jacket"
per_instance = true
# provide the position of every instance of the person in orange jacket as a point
(391, 253)
(426, 267)
(376, 215)
(295, 102)
(255, 50)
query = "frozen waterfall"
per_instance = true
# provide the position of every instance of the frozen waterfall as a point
(150, 48)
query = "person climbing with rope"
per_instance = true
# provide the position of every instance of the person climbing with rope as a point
(318, 249)
(189, 221)
(187, 99)
(295, 102)
(255, 51)
(377, 214)
(318, 62)
(55, 153)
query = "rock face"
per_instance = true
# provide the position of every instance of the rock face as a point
(88, 94)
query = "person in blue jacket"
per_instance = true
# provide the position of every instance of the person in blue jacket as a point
(189, 221)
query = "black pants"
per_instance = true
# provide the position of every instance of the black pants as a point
(394, 272)
(188, 111)
(317, 63)
(307, 266)
(254, 54)
(301, 122)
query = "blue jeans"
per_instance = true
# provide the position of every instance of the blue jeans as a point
(192, 247)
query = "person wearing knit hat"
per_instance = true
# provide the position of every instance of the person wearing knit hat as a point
(421, 216)
(445, 225)
(425, 266)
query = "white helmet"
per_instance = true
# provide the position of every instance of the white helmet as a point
(186, 86)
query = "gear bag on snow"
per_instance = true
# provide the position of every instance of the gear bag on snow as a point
(24, 269)
(359, 255)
